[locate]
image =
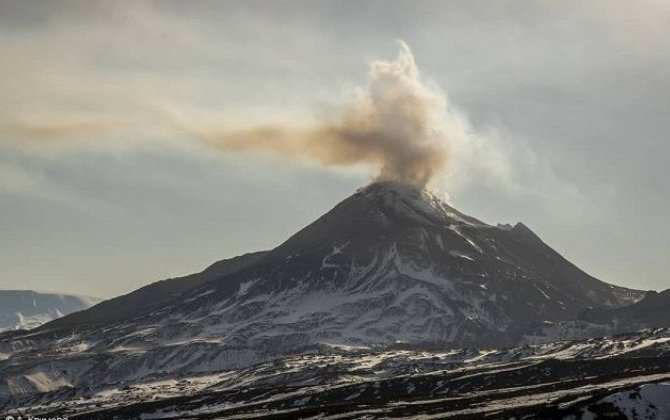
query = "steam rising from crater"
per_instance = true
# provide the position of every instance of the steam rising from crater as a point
(396, 122)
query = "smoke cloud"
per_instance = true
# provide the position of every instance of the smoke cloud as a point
(395, 122)
(63, 129)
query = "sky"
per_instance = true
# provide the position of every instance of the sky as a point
(103, 189)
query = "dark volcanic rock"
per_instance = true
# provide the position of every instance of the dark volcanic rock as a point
(390, 266)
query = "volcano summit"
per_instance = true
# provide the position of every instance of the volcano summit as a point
(391, 268)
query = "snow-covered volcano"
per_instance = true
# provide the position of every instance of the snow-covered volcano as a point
(394, 264)
(389, 266)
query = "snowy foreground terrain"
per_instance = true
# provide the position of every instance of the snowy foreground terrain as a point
(392, 304)
(600, 378)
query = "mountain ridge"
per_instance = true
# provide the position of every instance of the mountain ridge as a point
(391, 266)
(382, 227)
(26, 309)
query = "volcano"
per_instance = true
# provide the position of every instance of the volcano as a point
(392, 266)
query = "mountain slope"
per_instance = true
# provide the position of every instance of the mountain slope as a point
(564, 380)
(156, 295)
(25, 309)
(653, 311)
(389, 266)
(395, 264)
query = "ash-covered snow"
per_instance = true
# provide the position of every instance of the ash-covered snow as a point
(647, 402)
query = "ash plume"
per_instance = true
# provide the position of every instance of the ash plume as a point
(63, 129)
(396, 122)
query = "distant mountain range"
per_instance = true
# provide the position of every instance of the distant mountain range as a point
(390, 268)
(26, 309)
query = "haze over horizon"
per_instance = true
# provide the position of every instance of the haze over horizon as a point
(564, 107)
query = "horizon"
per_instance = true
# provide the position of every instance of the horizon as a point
(356, 191)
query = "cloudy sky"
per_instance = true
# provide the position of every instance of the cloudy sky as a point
(102, 189)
